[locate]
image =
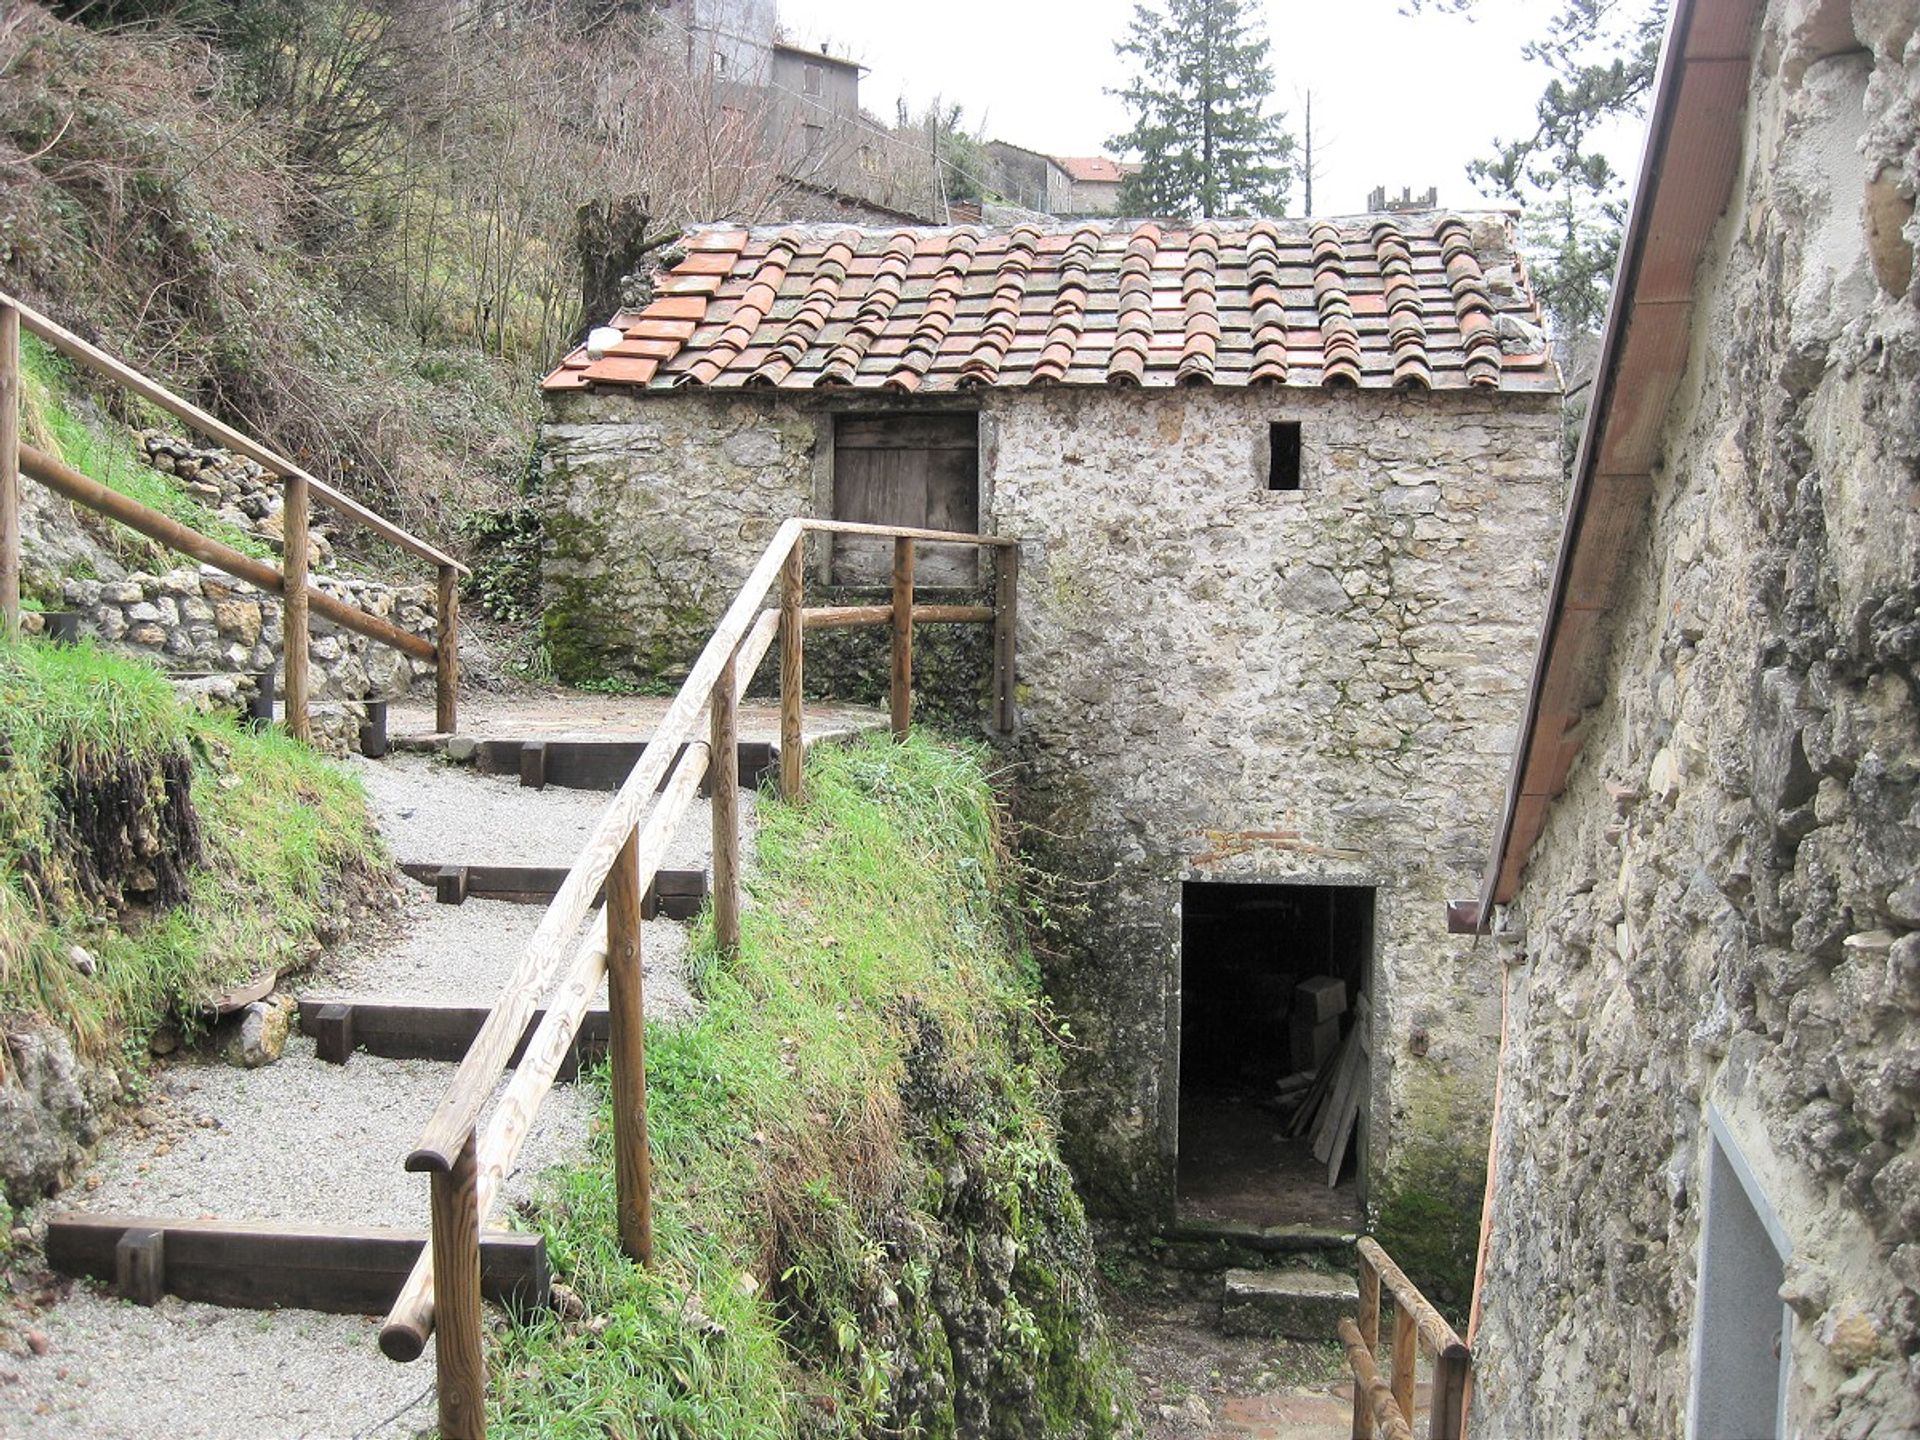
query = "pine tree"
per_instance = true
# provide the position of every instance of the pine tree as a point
(1199, 96)
(1602, 55)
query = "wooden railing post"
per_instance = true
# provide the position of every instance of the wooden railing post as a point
(1406, 1357)
(462, 1377)
(1449, 1402)
(1385, 1416)
(295, 627)
(1006, 601)
(12, 392)
(1369, 1328)
(724, 777)
(900, 692)
(793, 584)
(627, 1023)
(446, 658)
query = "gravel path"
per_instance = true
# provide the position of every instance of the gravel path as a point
(302, 1140)
(577, 715)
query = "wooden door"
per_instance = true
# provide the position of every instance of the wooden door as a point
(915, 470)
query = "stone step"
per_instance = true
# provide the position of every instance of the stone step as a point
(1296, 1304)
(1200, 1247)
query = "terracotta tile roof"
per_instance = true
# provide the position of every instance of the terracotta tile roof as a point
(1094, 169)
(1408, 301)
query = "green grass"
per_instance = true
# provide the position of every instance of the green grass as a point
(878, 1030)
(278, 824)
(107, 454)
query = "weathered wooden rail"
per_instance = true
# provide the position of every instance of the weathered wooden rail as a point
(1385, 1408)
(289, 579)
(467, 1162)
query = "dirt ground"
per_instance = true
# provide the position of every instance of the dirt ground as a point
(1193, 1381)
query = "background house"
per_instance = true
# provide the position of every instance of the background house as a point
(1286, 494)
(1704, 1217)
(1094, 183)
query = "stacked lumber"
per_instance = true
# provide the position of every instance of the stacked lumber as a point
(1329, 1106)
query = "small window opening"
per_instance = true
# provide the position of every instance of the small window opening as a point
(814, 75)
(1283, 455)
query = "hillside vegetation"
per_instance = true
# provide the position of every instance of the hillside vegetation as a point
(864, 1225)
(347, 227)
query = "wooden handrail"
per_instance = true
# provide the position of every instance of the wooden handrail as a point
(468, 1167)
(902, 532)
(289, 580)
(65, 481)
(848, 617)
(1417, 1326)
(1383, 1408)
(453, 1119)
(1439, 1337)
(94, 358)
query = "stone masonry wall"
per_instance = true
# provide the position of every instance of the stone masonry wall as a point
(1220, 682)
(1724, 909)
(198, 619)
(655, 511)
(1202, 662)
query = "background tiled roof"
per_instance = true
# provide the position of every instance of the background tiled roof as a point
(1408, 301)
(1100, 168)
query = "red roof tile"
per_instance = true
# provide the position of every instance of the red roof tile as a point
(1407, 301)
(1094, 168)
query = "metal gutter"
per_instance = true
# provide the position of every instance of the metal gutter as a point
(1474, 917)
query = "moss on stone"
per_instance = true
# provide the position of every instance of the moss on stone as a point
(1426, 1211)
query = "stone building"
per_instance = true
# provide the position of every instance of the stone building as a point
(1029, 179)
(1704, 1213)
(1286, 495)
(1096, 181)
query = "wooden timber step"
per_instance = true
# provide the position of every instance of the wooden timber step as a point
(425, 1030)
(593, 764)
(675, 894)
(341, 1270)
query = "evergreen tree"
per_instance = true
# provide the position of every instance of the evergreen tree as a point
(1198, 96)
(1602, 55)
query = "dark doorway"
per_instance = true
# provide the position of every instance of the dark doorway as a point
(1272, 987)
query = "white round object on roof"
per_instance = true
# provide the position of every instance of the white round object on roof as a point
(601, 339)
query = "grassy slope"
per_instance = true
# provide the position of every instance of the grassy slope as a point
(796, 1176)
(277, 824)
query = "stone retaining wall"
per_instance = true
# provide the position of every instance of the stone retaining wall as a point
(200, 619)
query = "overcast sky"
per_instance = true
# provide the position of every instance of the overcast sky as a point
(1396, 101)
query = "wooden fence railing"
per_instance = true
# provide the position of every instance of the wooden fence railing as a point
(289, 579)
(1385, 1408)
(467, 1164)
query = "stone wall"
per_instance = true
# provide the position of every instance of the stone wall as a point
(1217, 681)
(200, 620)
(1222, 682)
(1724, 909)
(655, 510)
(203, 620)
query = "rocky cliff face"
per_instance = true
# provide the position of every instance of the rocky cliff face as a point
(1724, 910)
